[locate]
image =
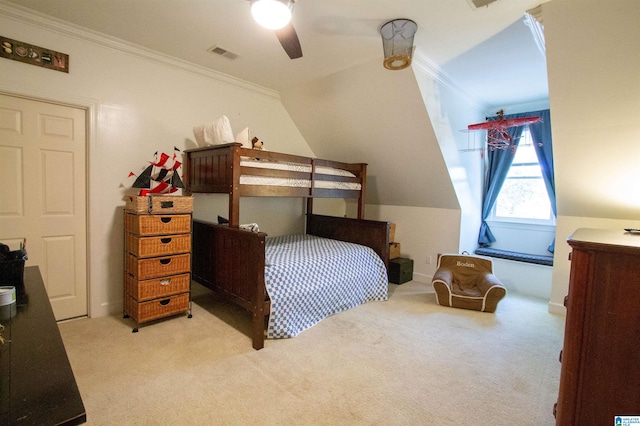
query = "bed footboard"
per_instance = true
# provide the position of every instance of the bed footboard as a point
(370, 233)
(231, 261)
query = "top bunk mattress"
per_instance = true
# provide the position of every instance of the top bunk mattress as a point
(296, 182)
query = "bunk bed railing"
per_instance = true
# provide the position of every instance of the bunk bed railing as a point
(217, 169)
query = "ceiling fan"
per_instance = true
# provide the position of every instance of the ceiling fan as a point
(276, 15)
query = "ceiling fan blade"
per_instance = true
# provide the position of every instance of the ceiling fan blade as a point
(289, 41)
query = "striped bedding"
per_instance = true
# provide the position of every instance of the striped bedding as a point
(309, 278)
(296, 183)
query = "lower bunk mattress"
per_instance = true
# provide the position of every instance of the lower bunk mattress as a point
(309, 278)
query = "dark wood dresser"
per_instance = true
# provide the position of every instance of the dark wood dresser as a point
(37, 385)
(600, 376)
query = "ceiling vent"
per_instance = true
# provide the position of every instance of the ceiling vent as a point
(480, 3)
(222, 52)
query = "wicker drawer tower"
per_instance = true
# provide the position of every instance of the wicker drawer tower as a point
(157, 271)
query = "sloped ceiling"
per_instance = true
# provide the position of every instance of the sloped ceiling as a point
(368, 114)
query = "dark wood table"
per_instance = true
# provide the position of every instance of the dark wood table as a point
(37, 385)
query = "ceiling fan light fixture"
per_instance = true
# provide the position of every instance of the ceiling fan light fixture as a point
(271, 14)
(397, 42)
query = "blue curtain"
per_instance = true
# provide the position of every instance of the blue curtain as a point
(541, 135)
(499, 162)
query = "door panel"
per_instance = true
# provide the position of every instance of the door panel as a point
(43, 200)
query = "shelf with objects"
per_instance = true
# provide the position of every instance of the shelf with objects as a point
(157, 248)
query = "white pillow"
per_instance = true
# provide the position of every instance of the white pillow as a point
(243, 138)
(215, 133)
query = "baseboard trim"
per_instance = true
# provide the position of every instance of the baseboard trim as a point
(422, 278)
(557, 308)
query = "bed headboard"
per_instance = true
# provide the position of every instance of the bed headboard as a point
(370, 233)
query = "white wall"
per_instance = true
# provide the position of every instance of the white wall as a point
(275, 216)
(450, 111)
(524, 278)
(422, 234)
(370, 114)
(593, 61)
(140, 103)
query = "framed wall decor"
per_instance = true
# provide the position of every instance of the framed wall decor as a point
(34, 55)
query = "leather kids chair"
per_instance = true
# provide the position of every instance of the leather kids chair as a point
(467, 282)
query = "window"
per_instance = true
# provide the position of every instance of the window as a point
(523, 197)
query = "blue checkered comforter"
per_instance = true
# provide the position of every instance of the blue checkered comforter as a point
(309, 278)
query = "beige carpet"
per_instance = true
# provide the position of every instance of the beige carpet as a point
(405, 361)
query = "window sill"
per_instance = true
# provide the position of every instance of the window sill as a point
(522, 225)
(518, 257)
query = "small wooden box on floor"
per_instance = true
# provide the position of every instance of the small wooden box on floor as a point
(394, 247)
(394, 250)
(400, 270)
(157, 277)
(392, 232)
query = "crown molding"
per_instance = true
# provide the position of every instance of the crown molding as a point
(533, 20)
(536, 13)
(28, 16)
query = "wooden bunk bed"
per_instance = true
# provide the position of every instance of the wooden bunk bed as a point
(230, 260)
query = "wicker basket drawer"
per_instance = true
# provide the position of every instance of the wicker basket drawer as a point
(145, 224)
(143, 269)
(157, 246)
(157, 308)
(160, 204)
(157, 287)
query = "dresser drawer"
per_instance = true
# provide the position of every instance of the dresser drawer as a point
(157, 245)
(160, 204)
(146, 224)
(157, 287)
(156, 308)
(143, 269)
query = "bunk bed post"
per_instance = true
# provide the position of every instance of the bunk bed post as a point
(257, 328)
(187, 168)
(309, 205)
(363, 183)
(260, 294)
(311, 188)
(234, 192)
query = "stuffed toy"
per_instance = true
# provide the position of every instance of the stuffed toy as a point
(256, 143)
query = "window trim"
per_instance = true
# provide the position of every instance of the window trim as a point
(551, 222)
(522, 220)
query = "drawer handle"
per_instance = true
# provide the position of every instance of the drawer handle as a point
(165, 261)
(165, 219)
(165, 302)
(165, 240)
(165, 282)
